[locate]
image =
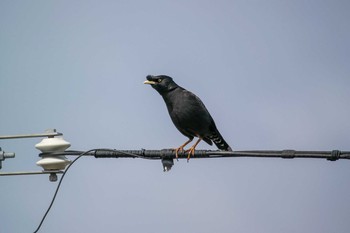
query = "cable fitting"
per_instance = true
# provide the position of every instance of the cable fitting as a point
(335, 155)
(288, 154)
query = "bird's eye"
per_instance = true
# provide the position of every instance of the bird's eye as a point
(159, 80)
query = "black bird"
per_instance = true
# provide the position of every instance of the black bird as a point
(188, 114)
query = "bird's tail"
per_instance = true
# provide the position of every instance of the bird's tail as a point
(220, 141)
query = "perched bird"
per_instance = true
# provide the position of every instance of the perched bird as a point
(188, 114)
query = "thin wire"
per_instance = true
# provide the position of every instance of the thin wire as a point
(58, 187)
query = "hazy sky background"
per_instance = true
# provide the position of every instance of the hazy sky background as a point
(273, 74)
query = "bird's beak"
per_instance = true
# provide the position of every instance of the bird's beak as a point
(149, 82)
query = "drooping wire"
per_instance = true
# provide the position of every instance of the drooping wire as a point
(58, 187)
(65, 172)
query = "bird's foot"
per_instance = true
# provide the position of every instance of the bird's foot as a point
(192, 149)
(181, 148)
(190, 152)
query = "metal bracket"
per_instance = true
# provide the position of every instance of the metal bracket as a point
(48, 133)
(5, 155)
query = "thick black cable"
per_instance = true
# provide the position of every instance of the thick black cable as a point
(58, 187)
(160, 154)
(127, 153)
(170, 153)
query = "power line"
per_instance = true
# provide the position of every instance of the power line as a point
(170, 154)
(57, 189)
(79, 154)
(167, 156)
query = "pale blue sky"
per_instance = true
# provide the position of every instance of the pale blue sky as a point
(273, 74)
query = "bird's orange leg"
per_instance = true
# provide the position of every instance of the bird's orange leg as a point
(192, 149)
(181, 148)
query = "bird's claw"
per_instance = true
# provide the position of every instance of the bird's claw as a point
(181, 148)
(190, 152)
(177, 152)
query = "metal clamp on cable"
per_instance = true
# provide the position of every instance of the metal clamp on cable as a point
(288, 154)
(335, 155)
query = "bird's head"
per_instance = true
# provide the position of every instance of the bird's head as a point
(161, 83)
